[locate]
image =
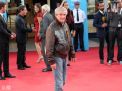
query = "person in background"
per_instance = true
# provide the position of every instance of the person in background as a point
(21, 35)
(5, 14)
(70, 22)
(79, 18)
(58, 44)
(58, 4)
(37, 20)
(5, 34)
(101, 24)
(47, 19)
(115, 32)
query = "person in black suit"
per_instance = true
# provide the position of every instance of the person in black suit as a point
(5, 34)
(101, 24)
(21, 30)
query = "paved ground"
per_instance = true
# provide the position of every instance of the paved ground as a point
(31, 46)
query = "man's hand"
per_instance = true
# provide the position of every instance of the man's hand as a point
(115, 10)
(53, 66)
(73, 56)
(13, 35)
(104, 25)
(33, 29)
(73, 33)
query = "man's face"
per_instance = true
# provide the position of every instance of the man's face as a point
(66, 5)
(61, 17)
(24, 12)
(77, 6)
(119, 3)
(58, 4)
(3, 9)
(101, 6)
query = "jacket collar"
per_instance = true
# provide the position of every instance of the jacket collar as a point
(1, 17)
(1, 14)
(102, 12)
(21, 16)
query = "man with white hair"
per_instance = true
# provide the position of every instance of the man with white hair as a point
(47, 19)
(58, 44)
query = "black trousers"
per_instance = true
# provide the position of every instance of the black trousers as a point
(4, 57)
(104, 37)
(21, 54)
(115, 33)
(79, 28)
(44, 53)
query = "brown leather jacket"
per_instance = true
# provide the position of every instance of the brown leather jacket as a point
(58, 41)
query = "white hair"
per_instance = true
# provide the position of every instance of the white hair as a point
(46, 7)
(59, 10)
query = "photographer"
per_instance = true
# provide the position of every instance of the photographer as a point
(115, 30)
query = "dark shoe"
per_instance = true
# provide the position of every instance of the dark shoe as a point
(21, 68)
(9, 76)
(2, 78)
(68, 64)
(46, 69)
(101, 61)
(26, 66)
(75, 50)
(83, 50)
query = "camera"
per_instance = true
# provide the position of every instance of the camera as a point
(114, 6)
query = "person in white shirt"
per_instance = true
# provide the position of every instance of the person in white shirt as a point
(79, 18)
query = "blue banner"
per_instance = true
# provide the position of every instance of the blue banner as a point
(83, 6)
(4, 1)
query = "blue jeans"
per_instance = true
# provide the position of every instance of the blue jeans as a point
(60, 73)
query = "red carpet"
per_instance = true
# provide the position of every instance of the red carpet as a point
(86, 74)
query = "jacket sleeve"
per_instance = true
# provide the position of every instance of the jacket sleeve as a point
(44, 25)
(96, 22)
(4, 31)
(50, 42)
(21, 26)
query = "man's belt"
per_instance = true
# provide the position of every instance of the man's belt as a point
(78, 23)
